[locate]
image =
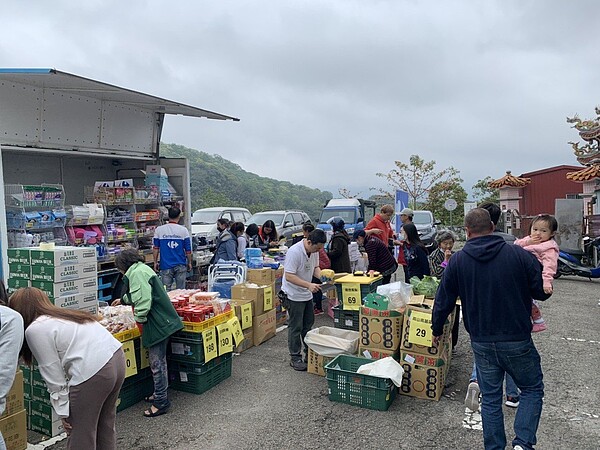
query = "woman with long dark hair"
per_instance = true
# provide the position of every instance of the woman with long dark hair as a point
(415, 253)
(81, 362)
(267, 235)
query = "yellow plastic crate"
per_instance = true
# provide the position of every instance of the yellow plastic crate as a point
(127, 335)
(199, 327)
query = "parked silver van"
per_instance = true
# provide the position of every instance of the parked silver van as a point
(204, 221)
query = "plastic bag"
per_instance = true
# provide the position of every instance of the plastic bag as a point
(331, 342)
(398, 292)
(384, 368)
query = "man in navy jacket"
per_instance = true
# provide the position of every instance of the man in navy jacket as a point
(496, 282)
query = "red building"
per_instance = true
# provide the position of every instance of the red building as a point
(547, 185)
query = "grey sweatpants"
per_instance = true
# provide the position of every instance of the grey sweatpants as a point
(93, 407)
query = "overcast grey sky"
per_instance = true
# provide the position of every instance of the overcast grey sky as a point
(331, 92)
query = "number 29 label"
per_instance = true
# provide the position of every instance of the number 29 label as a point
(420, 329)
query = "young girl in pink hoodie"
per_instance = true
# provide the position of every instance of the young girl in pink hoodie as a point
(542, 245)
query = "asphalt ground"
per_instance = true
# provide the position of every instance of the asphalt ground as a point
(266, 404)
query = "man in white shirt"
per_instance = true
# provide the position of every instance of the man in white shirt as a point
(301, 264)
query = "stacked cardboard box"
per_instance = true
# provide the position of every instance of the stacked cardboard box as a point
(40, 414)
(381, 331)
(244, 312)
(267, 276)
(263, 308)
(425, 367)
(13, 422)
(68, 275)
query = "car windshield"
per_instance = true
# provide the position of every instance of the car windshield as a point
(421, 218)
(349, 215)
(205, 217)
(260, 218)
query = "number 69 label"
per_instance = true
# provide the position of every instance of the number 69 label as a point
(351, 296)
(420, 329)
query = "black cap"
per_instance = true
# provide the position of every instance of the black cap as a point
(358, 233)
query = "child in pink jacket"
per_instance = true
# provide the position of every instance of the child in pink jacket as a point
(542, 245)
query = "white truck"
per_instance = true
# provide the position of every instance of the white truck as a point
(59, 128)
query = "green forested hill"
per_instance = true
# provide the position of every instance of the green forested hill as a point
(219, 182)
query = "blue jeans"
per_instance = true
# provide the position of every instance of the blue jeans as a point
(177, 273)
(511, 387)
(157, 356)
(520, 360)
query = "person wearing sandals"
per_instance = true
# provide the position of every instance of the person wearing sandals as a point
(156, 318)
(82, 364)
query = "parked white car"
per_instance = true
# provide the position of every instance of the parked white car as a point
(204, 221)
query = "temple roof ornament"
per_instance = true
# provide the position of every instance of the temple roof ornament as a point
(589, 130)
(509, 180)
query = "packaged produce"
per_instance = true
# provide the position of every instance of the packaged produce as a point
(427, 286)
(117, 318)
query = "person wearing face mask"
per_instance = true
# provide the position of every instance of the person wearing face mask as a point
(301, 265)
(226, 243)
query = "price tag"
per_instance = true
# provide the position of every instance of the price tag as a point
(209, 341)
(145, 361)
(268, 298)
(130, 363)
(351, 296)
(234, 326)
(225, 338)
(246, 316)
(420, 328)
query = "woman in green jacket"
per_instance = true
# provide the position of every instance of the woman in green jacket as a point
(156, 317)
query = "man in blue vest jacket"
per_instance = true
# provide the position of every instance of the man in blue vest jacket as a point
(496, 282)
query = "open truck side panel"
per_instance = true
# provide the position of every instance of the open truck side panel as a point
(56, 127)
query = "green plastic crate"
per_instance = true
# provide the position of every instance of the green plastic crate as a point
(197, 379)
(346, 320)
(366, 391)
(186, 347)
(134, 393)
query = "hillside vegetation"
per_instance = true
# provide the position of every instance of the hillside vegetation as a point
(216, 181)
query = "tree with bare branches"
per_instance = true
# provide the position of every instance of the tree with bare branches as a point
(416, 178)
(345, 193)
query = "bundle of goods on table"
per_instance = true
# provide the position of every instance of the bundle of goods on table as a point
(403, 334)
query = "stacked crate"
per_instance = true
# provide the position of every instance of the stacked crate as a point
(425, 366)
(138, 382)
(200, 356)
(350, 290)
